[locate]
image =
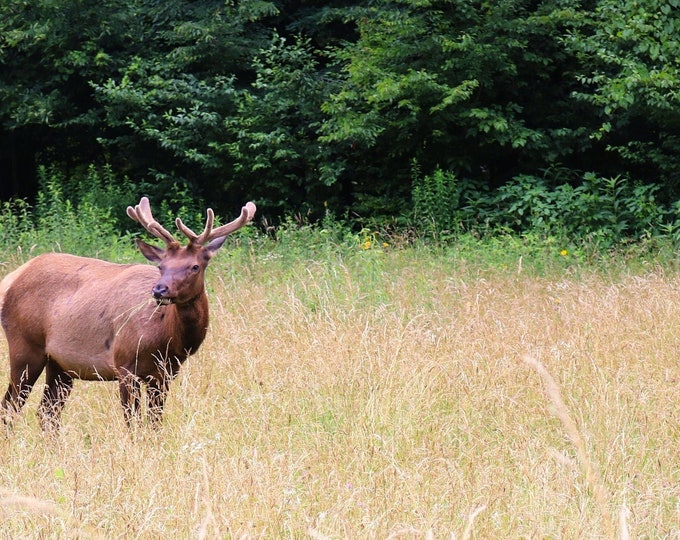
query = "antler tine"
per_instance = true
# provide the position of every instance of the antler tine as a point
(141, 213)
(186, 231)
(210, 220)
(194, 238)
(247, 214)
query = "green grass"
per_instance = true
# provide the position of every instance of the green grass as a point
(355, 391)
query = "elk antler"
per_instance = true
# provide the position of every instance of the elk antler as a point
(141, 213)
(208, 234)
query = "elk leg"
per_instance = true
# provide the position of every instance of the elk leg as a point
(25, 368)
(58, 386)
(130, 395)
(156, 392)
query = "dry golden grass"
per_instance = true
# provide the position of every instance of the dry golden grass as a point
(394, 397)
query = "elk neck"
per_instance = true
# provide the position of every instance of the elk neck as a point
(189, 321)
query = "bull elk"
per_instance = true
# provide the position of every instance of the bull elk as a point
(83, 318)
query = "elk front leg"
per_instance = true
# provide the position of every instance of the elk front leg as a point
(130, 395)
(58, 386)
(156, 392)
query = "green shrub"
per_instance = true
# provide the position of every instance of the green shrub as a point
(610, 210)
(436, 202)
(445, 206)
(603, 211)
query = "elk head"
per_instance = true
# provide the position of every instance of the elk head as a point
(182, 267)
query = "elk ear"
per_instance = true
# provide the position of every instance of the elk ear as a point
(153, 253)
(214, 245)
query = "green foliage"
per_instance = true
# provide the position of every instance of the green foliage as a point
(170, 101)
(607, 211)
(312, 107)
(281, 160)
(49, 50)
(16, 228)
(397, 99)
(96, 187)
(300, 238)
(82, 223)
(630, 74)
(456, 86)
(436, 202)
(139, 84)
(528, 228)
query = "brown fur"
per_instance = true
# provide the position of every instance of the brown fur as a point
(82, 318)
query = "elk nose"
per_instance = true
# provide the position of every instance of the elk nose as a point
(159, 291)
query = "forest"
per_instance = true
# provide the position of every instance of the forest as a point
(450, 115)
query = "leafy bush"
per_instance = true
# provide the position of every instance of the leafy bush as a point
(605, 210)
(611, 209)
(445, 206)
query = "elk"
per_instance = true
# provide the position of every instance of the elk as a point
(83, 318)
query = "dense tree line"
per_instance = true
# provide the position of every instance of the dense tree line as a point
(305, 105)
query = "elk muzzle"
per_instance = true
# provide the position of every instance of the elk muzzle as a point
(160, 293)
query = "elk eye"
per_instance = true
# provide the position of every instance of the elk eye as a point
(195, 268)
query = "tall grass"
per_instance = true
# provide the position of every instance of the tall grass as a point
(350, 390)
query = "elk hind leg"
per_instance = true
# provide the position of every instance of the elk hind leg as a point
(58, 386)
(26, 365)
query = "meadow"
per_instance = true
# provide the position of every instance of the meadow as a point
(373, 391)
